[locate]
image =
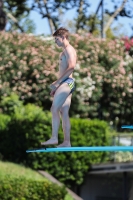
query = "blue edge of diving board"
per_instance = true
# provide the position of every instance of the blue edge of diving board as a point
(127, 126)
(101, 148)
(68, 149)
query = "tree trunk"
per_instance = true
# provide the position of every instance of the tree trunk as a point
(94, 18)
(51, 24)
(110, 21)
(80, 11)
(2, 17)
(102, 21)
(9, 15)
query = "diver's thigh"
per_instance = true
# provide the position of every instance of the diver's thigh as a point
(67, 103)
(61, 95)
(64, 111)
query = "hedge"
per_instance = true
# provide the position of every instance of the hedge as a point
(29, 125)
(24, 189)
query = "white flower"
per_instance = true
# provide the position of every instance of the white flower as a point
(123, 156)
(86, 90)
(77, 66)
(76, 74)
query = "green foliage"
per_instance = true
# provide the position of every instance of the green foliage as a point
(28, 25)
(18, 182)
(24, 189)
(9, 104)
(29, 126)
(25, 23)
(4, 120)
(16, 7)
(68, 197)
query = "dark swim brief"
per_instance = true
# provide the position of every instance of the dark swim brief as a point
(71, 83)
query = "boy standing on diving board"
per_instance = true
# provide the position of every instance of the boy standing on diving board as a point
(62, 89)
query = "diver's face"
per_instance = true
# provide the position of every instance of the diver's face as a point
(59, 41)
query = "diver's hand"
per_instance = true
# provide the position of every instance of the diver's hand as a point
(52, 93)
(54, 85)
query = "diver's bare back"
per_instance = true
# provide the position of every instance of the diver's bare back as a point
(63, 62)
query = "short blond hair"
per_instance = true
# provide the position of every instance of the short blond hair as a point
(61, 32)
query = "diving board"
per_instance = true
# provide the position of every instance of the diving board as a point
(127, 126)
(70, 149)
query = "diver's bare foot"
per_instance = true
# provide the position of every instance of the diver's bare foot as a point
(50, 141)
(65, 144)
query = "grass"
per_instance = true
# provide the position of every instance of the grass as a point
(8, 169)
(15, 170)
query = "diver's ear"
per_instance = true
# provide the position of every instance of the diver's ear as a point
(63, 37)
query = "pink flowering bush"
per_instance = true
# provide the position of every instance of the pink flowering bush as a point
(103, 74)
(27, 66)
(128, 45)
(110, 69)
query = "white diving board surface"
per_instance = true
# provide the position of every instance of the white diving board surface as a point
(69, 149)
